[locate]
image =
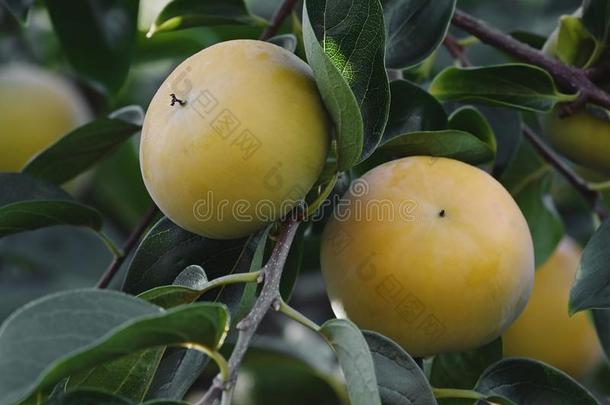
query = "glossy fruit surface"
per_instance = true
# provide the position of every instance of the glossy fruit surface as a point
(544, 330)
(246, 138)
(447, 265)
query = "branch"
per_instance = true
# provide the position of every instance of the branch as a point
(268, 298)
(128, 246)
(570, 77)
(592, 197)
(456, 50)
(278, 19)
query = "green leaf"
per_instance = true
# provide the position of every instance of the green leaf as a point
(412, 109)
(62, 334)
(97, 36)
(181, 367)
(355, 360)
(80, 149)
(449, 143)
(601, 321)
(128, 376)
(596, 18)
(344, 43)
(462, 370)
(18, 8)
(469, 119)
(525, 382)
(415, 28)
(399, 378)
(575, 45)
(529, 179)
(520, 86)
(167, 249)
(591, 288)
(27, 204)
(88, 396)
(506, 125)
(180, 14)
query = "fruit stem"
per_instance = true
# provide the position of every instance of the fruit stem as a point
(176, 100)
(297, 316)
(278, 18)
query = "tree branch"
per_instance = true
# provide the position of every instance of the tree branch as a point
(278, 19)
(592, 197)
(570, 77)
(268, 298)
(456, 50)
(128, 246)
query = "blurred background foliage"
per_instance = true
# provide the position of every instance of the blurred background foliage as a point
(37, 263)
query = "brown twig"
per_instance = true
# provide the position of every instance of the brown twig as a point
(268, 298)
(569, 77)
(127, 247)
(456, 50)
(278, 19)
(592, 197)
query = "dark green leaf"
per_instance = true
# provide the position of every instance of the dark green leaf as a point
(601, 320)
(462, 370)
(469, 119)
(127, 376)
(98, 37)
(415, 28)
(412, 109)
(181, 367)
(596, 17)
(506, 125)
(27, 203)
(62, 334)
(591, 288)
(344, 43)
(180, 14)
(355, 359)
(532, 39)
(449, 143)
(521, 86)
(88, 396)
(167, 249)
(525, 382)
(528, 179)
(399, 378)
(80, 149)
(19, 8)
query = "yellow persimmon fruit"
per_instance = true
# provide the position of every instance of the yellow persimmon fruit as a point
(431, 252)
(37, 108)
(544, 330)
(233, 138)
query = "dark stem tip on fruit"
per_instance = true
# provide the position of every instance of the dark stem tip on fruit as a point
(441, 214)
(176, 100)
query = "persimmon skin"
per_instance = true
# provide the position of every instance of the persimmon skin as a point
(37, 108)
(247, 128)
(449, 271)
(545, 331)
